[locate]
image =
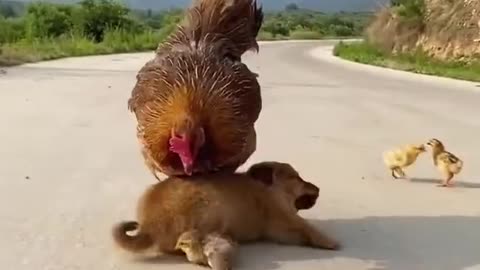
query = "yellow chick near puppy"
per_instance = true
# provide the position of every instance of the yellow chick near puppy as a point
(212, 249)
(400, 158)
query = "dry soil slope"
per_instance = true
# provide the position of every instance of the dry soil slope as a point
(448, 29)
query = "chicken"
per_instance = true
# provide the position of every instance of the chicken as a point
(447, 163)
(398, 159)
(213, 250)
(190, 242)
(196, 103)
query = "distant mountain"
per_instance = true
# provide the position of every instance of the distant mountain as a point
(322, 5)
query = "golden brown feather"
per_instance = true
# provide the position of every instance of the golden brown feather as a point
(212, 249)
(398, 159)
(220, 251)
(196, 103)
(190, 242)
(447, 163)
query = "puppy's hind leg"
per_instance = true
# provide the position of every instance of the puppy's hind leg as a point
(297, 231)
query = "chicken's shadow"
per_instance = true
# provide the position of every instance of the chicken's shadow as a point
(458, 184)
(394, 243)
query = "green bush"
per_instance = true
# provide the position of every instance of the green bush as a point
(340, 30)
(120, 40)
(276, 28)
(262, 35)
(305, 34)
(101, 15)
(11, 29)
(409, 9)
(45, 20)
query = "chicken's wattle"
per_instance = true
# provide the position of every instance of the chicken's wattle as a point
(181, 146)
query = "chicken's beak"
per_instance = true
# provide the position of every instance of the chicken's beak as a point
(188, 168)
(187, 164)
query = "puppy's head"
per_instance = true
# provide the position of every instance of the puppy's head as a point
(285, 179)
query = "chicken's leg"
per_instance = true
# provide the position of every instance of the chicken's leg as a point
(447, 181)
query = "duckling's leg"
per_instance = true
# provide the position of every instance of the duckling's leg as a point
(447, 181)
(401, 172)
(397, 172)
(393, 174)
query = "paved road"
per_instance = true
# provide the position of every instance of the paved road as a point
(71, 168)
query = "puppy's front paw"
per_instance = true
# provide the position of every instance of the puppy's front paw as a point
(325, 242)
(332, 245)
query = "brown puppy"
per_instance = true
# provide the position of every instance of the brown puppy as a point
(261, 204)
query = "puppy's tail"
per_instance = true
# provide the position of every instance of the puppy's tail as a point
(136, 243)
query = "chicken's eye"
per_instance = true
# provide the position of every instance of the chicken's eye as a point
(177, 136)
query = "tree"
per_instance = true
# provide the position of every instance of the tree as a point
(48, 20)
(276, 27)
(102, 15)
(291, 7)
(6, 10)
(395, 3)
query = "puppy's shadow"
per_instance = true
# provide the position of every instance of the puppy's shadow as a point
(459, 184)
(394, 243)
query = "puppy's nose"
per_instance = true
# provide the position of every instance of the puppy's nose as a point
(312, 187)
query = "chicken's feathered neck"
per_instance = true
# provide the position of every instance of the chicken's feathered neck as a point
(437, 151)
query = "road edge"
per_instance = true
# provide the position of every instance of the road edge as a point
(325, 54)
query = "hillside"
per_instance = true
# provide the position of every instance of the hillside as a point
(327, 6)
(443, 29)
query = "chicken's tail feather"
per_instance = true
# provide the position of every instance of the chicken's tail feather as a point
(229, 27)
(457, 167)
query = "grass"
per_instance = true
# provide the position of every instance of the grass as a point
(30, 51)
(419, 62)
(117, 41)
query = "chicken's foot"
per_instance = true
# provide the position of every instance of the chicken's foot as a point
(447, 182)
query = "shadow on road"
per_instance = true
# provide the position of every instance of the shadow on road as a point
(163, 259)
(395, 243)
(458, 184)
(373, 243)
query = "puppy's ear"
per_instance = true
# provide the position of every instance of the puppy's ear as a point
(262, 172)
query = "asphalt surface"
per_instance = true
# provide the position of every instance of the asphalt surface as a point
(71, 167)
